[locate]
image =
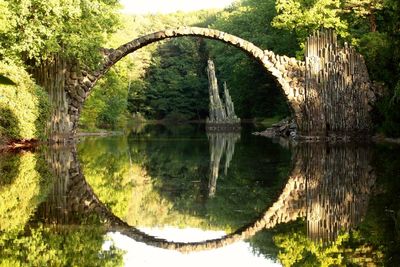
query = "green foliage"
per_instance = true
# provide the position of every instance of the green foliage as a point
(23, 186)
(106, 107)
(304, 16)
(176, 83)
(349, 249)
(36, 30)
(44, 246)
(388, 112)
(35, 33)
(24, 107)
(375, 47)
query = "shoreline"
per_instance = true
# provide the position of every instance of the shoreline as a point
(100, 133)
(377, 139)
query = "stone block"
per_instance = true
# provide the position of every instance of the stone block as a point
(73, 76)
(91, 78)
(159, 35)
(87, 82)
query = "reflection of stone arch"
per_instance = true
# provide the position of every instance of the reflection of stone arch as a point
(287, 71)
(82, 200)
(320, 178)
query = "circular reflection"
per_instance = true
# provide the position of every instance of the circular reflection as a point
(186, 179)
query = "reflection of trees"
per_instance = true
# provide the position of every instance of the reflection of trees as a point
(41, 239)
(221, 143)
(21, 188)
(167, 177)
(138, 128)
(47, 246)
(348, 249)
(329, 187)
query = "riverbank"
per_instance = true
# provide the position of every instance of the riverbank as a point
(274, 133)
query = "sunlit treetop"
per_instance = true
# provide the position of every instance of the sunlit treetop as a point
(305, 16)
(35, 30)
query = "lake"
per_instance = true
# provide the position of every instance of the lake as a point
(178, 195)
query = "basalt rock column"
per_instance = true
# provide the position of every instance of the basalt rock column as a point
(52, 75)
(229, 107)
(338, 91)
(217, 110)
(220, 114)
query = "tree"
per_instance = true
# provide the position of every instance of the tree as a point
(365, 9)
(24, 106)
(37, 30)
(303, 17)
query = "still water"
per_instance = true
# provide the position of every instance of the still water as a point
(179, 196)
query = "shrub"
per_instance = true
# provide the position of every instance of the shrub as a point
(24, 106)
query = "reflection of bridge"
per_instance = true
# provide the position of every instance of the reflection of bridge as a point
(328, 185)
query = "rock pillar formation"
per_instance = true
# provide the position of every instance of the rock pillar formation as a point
(221, 114)
(51, 75)
(337, 90)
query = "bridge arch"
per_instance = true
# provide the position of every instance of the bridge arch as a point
(287, 71)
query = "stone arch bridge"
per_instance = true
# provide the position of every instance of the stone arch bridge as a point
(322, 187)
(329, 92)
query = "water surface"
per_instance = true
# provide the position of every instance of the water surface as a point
(178, 196)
